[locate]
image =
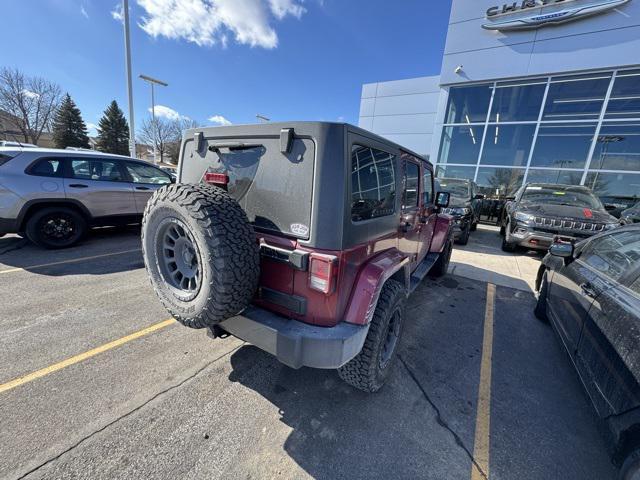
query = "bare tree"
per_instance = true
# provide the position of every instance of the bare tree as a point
(32, 102)
(165, 135)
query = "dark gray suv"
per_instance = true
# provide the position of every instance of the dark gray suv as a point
(55, 196)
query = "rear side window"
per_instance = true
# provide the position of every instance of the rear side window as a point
(147, 174)
(373, 183)
(47, 167)
(613, 255)
(428, 186)
(411, 180)
(100, 170)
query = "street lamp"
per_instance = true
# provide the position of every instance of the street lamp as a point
(127, 54)
(153, 81)
(262, 118)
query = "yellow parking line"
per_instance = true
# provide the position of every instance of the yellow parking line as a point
(83, 356)
(483, 412)
(73, 260)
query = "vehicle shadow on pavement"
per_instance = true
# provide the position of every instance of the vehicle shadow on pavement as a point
(103, 251)
(422, 423)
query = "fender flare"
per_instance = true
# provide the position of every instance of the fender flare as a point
(27, 207)
(390, 264)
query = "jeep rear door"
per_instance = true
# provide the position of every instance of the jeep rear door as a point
(410, 231)
(100, 185)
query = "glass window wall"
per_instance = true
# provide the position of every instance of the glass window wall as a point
(507, 145)
(461, 144)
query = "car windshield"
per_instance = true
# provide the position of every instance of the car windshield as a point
(457, 188)
(553, 196)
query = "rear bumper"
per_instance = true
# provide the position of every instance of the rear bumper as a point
(297, 344)
(8, 225)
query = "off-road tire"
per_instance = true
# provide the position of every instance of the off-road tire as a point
(224, 248)
(464, 237)
(34, 229)
(630, 469)
(540, 310)
(441, 266)
(365, 371)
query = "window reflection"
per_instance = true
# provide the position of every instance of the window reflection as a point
(517, 103)
(468, 104)
(577, 98)
(449, 171)
(508, 145)
(556, 176)
(563, 145)
(499, 181)
(617, 147)
(461, 144)
(614, 184)
(625, 96)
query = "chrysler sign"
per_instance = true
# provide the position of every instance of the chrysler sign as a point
(533, 15)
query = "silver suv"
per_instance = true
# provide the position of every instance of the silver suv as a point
(55, 196)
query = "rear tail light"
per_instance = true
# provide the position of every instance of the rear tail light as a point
(216, 178)
(322, 270)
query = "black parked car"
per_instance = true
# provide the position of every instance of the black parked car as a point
(590, 293)
(631, 215)
(541, 212)
(464, 206)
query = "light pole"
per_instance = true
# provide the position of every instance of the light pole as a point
(127, 53)
(262, 118)
(152, 82)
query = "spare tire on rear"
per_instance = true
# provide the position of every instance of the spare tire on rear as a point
(201, 253)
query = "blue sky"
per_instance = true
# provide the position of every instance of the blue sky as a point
(286, 59)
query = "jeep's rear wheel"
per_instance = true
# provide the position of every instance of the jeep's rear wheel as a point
(55, 227)
(201, 253)
(370, 368)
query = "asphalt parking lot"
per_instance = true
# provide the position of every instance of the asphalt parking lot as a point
(97, 382)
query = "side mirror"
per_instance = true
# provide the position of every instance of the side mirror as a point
(479, 196)
(609, 207)
(442, 199)
(562, 250)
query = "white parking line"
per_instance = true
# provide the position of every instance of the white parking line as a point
(63, 262)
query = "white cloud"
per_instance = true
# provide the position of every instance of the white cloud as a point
(30, 94)
(168, 113)
(118, 13)
(209, 22)
(92, 127)
(83, 12)
(219, 119)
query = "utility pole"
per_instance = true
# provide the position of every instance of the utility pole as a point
(127, 52)
(153, 81)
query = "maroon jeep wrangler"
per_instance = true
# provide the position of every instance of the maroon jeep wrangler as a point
(302, 238)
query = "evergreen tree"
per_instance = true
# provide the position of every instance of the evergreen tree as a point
(113, 131)
(69, 130)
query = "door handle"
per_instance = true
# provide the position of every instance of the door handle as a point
(78, 185)
(587, 289)
(143, 188)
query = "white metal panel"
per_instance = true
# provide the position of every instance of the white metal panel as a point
(407, 104)
(409, 124)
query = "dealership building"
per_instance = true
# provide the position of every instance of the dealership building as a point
(529, 91)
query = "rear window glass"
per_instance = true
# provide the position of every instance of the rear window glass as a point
(48, 167)
(373, 183)
(273, 188)
(147, 174)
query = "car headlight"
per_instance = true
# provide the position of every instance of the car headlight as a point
(524, 217)
(460, 211)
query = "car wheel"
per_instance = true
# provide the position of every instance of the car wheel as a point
(200, 252)
(369, 370)
(507, 246)
(630, 469)
(474, 226)
(502, 230)
(464, 238)
(56, 227)
(540, 310)
(441, 266)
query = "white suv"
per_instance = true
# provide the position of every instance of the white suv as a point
(55, 196)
